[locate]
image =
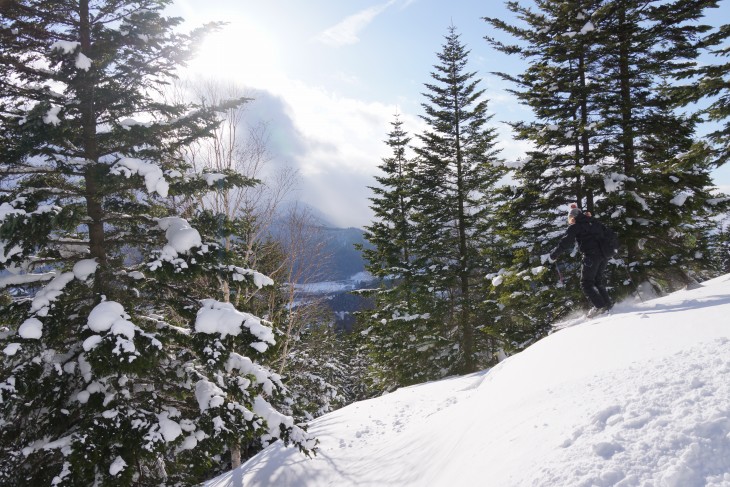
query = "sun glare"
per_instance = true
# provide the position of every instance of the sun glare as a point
(240, 51)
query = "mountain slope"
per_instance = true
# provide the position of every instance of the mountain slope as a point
(638, 398)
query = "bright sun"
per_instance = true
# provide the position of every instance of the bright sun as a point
(240, 51)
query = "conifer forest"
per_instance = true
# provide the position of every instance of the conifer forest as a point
(151, 329)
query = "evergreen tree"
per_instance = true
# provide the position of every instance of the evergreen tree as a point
(606, 137)
(397, 338)
(117, 370)
(559, 86)
(710, 81)
(648, 44)
(454, 182)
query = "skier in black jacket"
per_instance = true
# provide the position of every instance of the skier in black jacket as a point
(587, 231)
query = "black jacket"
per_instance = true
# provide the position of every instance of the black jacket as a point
(585, 231)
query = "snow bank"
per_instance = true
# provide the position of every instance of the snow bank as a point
(639, 398)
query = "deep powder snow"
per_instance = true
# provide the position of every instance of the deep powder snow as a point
(639, 398)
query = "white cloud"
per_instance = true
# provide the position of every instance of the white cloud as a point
(347, 30)
(344, 147)
(335, 142)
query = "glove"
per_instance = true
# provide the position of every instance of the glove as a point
(546, 258)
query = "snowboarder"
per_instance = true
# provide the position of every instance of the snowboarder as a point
(597, 244)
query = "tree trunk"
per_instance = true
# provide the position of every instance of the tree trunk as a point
(235, 456)
(627, 129)
(589, 204)
(465, 313)
(93, 172)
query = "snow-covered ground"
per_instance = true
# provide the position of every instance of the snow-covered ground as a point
(639, 398)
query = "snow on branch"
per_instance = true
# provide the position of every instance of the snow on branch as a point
(152, 173)
(53, 290)
(181, 239)
(110, 317)
(5, 255)
(225, 319)
(680, 198)
(7, 209)
(67, 47)
(51, 116)
(212, 178)
(259, 280)
(614, 181)
(247, 367)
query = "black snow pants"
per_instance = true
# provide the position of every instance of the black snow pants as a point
(593, 280)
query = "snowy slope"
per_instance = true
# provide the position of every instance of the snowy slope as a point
(638, 398)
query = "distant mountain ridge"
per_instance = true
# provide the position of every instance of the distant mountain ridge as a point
(346, 260)
(344, 273)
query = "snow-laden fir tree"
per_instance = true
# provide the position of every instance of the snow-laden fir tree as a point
(454, 180)
(117, 368)
(395, 335)
(557, 39)
(605, 137)
(286, 244)
(709, 80)
(647, 46)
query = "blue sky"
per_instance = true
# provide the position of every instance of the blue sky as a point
(329, 75)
